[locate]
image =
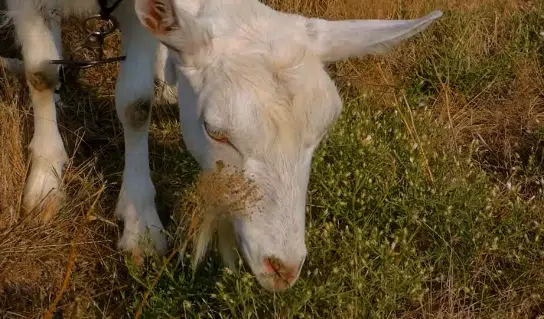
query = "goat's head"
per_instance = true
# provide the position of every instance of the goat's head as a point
(253, 92)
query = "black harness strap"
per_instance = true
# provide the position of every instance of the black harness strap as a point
(94, 42)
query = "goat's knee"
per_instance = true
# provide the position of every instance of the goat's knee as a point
(43, 79)
(138, 114)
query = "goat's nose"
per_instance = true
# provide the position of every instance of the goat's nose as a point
(283, 274)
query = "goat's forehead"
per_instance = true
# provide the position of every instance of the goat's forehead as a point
(260, 72)
(293, 99)
(228, 17)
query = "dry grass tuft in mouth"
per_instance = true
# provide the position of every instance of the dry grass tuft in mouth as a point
(218, 196)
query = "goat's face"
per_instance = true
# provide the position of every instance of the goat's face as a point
(254, 94)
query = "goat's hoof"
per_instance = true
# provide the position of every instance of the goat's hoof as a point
(42, 197)
(46, 209)
(143, 238)
(143, 230)
(143, 244)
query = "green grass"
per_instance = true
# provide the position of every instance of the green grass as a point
(383, 238)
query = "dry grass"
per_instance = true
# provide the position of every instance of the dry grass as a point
(481, 61)
(478, 69)
(33, 257)
(11, 161)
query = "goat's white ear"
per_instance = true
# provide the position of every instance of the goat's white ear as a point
(337, 40)
(172, 25)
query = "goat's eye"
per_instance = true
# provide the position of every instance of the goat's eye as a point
(215, 134)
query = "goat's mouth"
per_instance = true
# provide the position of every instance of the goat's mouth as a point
(249, 262)
(270, 272)
(278, 277)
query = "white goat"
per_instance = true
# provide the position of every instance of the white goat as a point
(253, 92)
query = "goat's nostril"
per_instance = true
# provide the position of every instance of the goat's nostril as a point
(280, 270)
(272, 264)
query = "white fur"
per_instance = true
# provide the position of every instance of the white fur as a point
(37, 25)
(257, 76)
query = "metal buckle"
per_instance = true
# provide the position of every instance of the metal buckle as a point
(94, 42)
(113, 23)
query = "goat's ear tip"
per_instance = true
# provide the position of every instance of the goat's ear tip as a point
(435, 14)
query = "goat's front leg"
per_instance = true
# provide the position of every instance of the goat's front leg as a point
(39, 41)
(133, 95)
